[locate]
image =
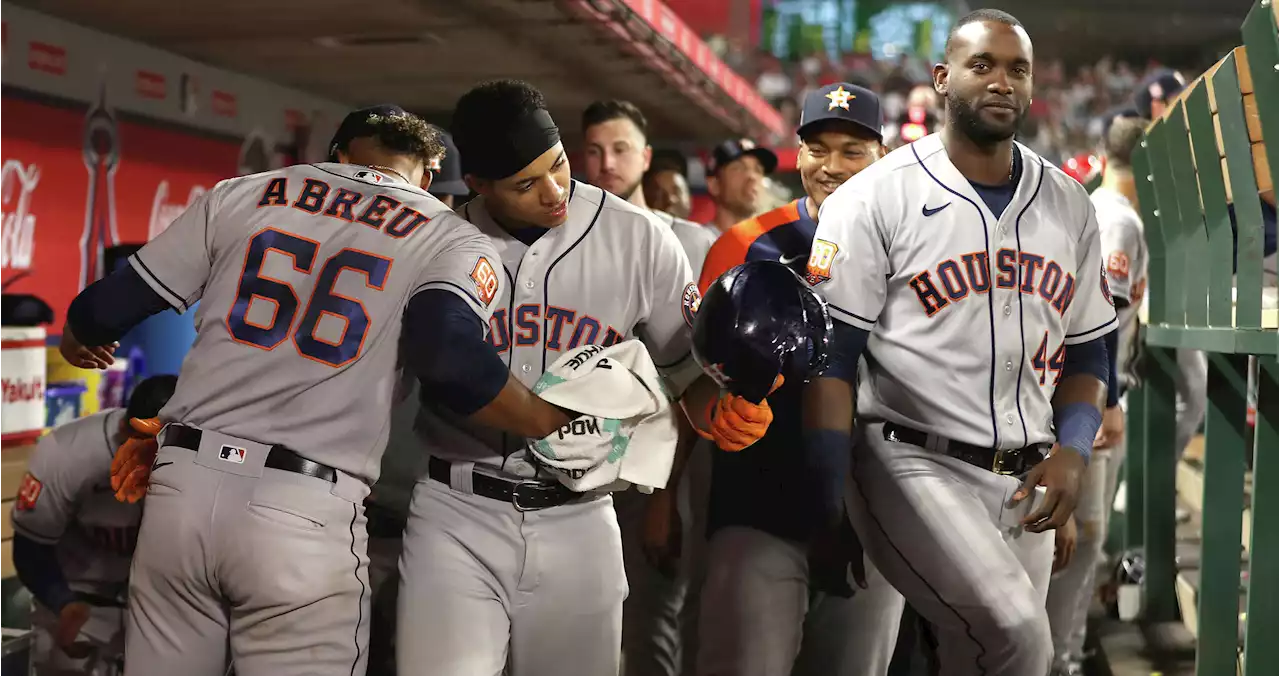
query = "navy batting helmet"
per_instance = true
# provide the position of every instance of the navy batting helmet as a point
(759, 320)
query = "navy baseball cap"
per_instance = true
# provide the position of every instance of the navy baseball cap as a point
(856, 105)
(356, 125)
(735, 149)
(1161, 85)
(1119, 112)
(446, 174)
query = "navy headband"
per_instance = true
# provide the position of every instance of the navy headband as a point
(497, 154)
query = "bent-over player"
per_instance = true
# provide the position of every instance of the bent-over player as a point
(254, 536)
(73, 541)
(503, 566)
(968, 270)
(775, 576)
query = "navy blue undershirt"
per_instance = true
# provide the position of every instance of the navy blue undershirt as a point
(998, 197)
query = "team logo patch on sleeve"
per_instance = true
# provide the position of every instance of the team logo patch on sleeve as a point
(28, 493)
(821, 257)
(1118, 265)
(689, 302)
(1106, 289)
(486, 280)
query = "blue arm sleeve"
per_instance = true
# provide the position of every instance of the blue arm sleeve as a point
(1077, 424)
(1112, 341)
(38, 569)
(447, 352)
(827, 451)
(1089, 358)
(108, 308)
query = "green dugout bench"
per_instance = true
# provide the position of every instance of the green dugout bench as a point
(1214, 149)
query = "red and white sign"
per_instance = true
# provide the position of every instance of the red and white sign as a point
(50, 210)
(151, 85)
(224, 103)
(17, 243)
(22, 370)
(47, 58)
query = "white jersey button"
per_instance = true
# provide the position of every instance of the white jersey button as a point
(1008, 417)
(528, 284)
(526, 368)
(1007, 310)
(1008, 365)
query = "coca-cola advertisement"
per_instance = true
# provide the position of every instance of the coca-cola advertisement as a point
(77, 180)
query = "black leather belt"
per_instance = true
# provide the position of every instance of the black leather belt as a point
(279, 457)
(1007, 461)
(525, 495)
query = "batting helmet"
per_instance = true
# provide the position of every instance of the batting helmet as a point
(758, 320)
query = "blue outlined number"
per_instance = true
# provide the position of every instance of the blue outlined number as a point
(324, 300)
(1054, 363)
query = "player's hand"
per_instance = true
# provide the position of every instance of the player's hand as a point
(1064, 545)
(662, 534)
(1060, 474)
(71, 620)
(85, 356)
(737, 423)
(1111, 434)
(835, 557)
(131, 467)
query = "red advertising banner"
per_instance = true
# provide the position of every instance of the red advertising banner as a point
(77, 179)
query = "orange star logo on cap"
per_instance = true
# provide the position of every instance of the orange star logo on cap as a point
(839, 98)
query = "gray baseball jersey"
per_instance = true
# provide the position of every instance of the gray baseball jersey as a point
(908, 251)
(969, 315)
(695, 239)
(1124, 250)
(303, 275)
(610, 273)
(66, 500)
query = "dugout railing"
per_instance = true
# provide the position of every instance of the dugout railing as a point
(1212, 153)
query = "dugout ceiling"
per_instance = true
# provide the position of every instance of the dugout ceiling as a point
(424, 54)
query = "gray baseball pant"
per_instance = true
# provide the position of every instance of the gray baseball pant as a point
(236, 558)
(759, 617)
(1071, 589)
(942, 533)
(486, 589)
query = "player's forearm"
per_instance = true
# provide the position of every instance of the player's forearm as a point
(516, 410)
(37, 567)
(697, 402)
(110, 307)
(1080, 398)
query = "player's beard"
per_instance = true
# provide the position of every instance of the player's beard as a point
(967, 117)
(629, 190)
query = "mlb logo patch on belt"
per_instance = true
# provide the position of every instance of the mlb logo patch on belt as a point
(231, 454)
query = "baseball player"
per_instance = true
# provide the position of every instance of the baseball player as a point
(73, 541)
(254, 536)
(968, 272)
(666, 187)
(1124, 251)
(735, 180)
(617, 157)
(504, 568)
(767, 544)
(387, 506)
(446, 173)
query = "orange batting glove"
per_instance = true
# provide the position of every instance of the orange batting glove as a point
(737, 423)
(131, 467)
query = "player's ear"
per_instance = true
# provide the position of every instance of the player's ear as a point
(713, 186)
(427, 177)
(476, 184)
(941, 73)
(648, 156)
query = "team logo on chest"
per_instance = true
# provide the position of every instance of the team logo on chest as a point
(952, 281)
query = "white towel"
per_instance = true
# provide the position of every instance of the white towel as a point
(626, 434)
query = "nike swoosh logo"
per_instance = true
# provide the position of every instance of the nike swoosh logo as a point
(158, 465)
(929, 212)
(788, 261)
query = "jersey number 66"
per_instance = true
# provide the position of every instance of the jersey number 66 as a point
(324, 300)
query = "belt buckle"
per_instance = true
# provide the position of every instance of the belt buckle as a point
(998, 461)
(516, 492)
